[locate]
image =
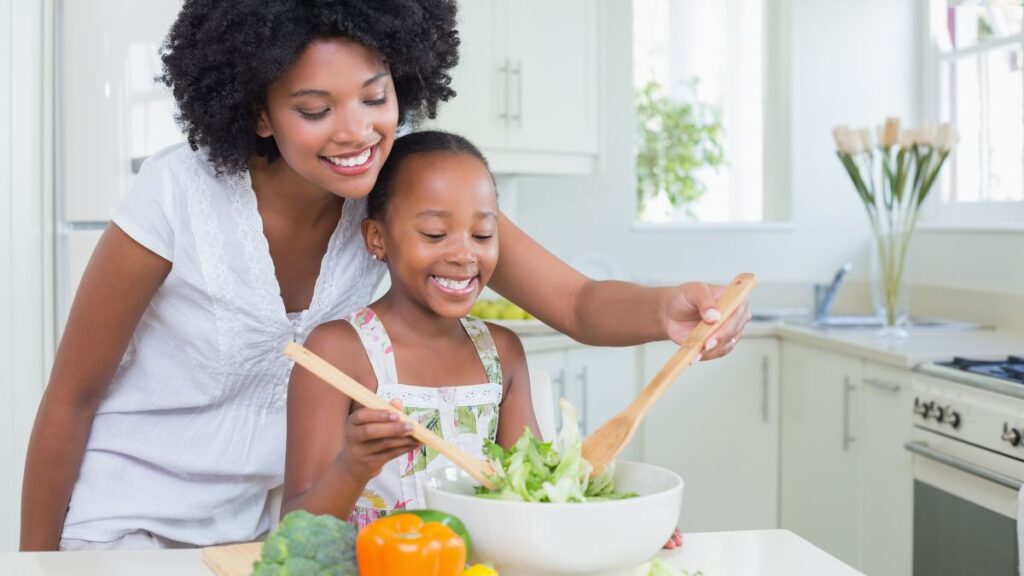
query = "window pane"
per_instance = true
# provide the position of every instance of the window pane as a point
(971, 22)
(984, 98)
(698, 76)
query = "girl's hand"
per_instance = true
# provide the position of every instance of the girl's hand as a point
(372, 439)
(675, 541)
(689, 304)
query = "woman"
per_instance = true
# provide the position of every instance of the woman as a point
(164, 420)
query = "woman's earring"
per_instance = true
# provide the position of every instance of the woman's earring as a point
(374, 256)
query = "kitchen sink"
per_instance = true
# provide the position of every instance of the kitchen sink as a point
(867, 321)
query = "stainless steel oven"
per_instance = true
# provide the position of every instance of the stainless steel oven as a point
(968, 469)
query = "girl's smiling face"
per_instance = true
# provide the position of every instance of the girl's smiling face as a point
(333, 114)
(439, 232)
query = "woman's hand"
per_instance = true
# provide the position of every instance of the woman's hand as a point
(372, 439)
(674, 541)
(690, 304)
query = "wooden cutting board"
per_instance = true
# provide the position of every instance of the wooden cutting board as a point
(232, 559)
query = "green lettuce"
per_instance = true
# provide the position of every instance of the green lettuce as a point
(535, 471)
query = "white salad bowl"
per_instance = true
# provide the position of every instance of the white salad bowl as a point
(543, 539)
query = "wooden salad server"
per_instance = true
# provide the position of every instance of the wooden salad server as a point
(601, 447)
(478, 469)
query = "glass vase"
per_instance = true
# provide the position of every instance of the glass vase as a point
(890, 283)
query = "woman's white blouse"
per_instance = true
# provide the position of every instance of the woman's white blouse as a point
(191, 435)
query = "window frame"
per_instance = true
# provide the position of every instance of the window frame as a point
(991, 216)
(777, 213)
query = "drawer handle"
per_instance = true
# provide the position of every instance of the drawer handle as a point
(847, 437)
(882, 384)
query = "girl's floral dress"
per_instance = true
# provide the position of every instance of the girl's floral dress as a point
(463, 415)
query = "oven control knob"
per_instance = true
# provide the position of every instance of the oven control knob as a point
(953, 418)
(922, 408)
(940, 414)
(1011, 435)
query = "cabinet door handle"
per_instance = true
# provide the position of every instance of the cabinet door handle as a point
(503, 106)
(764, 389)
(847, 389)
(558, 383)
(516, 73)
(584, 381)
(558, 387)
(882, 384)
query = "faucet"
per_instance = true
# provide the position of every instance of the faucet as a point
(824, 294)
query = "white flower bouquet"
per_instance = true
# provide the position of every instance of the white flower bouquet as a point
(893, 177)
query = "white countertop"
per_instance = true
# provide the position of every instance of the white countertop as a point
(749, 553)
(754, 553)
(922, 346)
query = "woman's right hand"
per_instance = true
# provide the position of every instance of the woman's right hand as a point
(372, 439)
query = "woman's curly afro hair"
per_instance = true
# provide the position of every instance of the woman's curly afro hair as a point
(222, 55)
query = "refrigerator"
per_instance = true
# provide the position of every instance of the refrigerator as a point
(111, 113)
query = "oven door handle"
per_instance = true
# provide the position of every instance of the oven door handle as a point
(922, 449)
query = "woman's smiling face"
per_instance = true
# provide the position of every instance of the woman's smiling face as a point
(333, 115)
(439, 233)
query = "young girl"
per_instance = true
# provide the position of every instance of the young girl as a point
(433, 219)
(163, 423)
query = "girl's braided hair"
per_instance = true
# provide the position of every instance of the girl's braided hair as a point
(405, 147)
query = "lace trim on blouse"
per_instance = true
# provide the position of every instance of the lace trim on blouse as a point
(212, 261)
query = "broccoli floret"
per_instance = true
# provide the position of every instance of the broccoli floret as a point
(263, 569)
(308, 545)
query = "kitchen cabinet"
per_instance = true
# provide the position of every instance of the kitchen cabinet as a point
(718, 428)
(554, 364)
(886, 471)
(113, 112)
(598, 381)
(820, 486)
(846, 479)
(527, 85)
(112, 115)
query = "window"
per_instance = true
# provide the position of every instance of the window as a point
(699, 77)
(975, 79)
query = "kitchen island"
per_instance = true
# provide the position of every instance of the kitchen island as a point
(746, 553)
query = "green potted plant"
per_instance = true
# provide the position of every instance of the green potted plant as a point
(675, 141)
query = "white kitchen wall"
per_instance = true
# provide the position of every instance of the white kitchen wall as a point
(25, 299)
(975, 275)
(837, 74)
(971, 260)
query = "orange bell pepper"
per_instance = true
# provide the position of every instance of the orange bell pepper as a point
(405, 545)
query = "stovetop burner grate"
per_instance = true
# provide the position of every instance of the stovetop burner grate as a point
(1012, 368)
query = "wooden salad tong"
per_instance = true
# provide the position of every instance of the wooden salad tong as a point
(479, 470)
(601, 447)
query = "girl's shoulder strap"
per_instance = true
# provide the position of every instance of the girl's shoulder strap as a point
(485, 348)
(377, 344)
